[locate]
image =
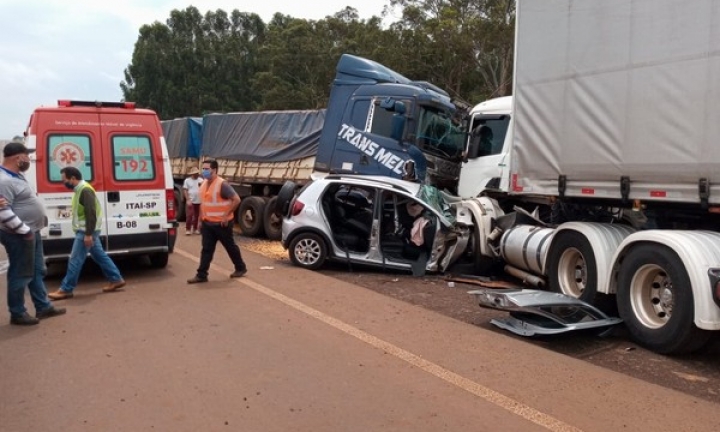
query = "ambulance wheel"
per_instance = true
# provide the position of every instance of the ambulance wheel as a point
(179, 206)
(273, 221)
(250, 216)
(159, 260)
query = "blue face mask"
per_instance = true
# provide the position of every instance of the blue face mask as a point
(69, 185)
(206, 173)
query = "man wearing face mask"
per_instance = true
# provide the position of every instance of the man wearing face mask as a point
(86, 215)
(218, 201)
(22, 217)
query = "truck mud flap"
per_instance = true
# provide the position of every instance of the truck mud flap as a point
(542, 313)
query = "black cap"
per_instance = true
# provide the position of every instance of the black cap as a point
(15, 148)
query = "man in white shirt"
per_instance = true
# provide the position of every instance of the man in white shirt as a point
(191, 190)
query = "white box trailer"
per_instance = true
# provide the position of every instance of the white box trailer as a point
(614, 132)
(618, 99)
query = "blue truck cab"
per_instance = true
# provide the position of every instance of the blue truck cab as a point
(379, 122)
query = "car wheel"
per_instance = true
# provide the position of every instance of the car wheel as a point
(655, 300)
(308, 250)
(250, 216)
(273, 221)
(286, 194)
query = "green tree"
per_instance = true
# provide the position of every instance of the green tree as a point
(194, 64)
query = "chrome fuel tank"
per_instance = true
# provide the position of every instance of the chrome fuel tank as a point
(525, 247)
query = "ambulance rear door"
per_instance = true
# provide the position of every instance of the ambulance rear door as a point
(64, 137)
(134, 179)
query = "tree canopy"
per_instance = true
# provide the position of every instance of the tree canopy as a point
(222, 62)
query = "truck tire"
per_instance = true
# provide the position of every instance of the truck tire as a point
(273, 221)
(571, 266)
(481, 265)
(655, 300)
(250, 216)
(179, 206)
(286, 194)
(308, 250)
(159, 260)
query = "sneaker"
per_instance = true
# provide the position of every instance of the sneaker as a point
(238, 273)
(188, 232)
(50, 312)
(60, 295)
(197, 279)
(112, 286)
(24, 320)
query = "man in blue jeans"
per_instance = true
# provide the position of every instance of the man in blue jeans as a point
(22, 216)
(86, 215)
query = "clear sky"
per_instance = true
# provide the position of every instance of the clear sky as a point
(78, 49)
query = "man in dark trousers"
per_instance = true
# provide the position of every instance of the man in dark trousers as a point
(22, 216)
(218, 201)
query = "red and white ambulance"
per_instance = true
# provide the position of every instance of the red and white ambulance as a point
(120, 150)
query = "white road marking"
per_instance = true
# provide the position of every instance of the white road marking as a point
(498, 399)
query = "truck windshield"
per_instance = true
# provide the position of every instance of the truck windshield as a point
(436, 134)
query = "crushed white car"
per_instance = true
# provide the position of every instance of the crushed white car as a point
(375, 221)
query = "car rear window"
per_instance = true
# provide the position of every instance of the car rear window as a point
(66, 151)
(132, 158)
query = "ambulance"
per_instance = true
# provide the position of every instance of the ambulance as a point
(120, 150)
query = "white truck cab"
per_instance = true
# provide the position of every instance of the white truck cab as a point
(486, 163)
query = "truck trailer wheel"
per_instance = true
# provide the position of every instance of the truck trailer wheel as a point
(250, 216)
(571, 268)
(655, 300)
(273, 221)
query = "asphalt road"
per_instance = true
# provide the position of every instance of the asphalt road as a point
(286, 349)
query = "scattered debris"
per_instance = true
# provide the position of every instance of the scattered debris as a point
(534, 312)
(482, 281)
(267, 268)
(451, 284)
(691, 377)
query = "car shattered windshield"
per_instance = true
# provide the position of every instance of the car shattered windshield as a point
(437, 134)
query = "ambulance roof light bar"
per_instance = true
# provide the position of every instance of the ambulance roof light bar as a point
(97, 104)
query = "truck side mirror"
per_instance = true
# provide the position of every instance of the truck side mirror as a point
(473, 150)
(388, 104)
(398, 127)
